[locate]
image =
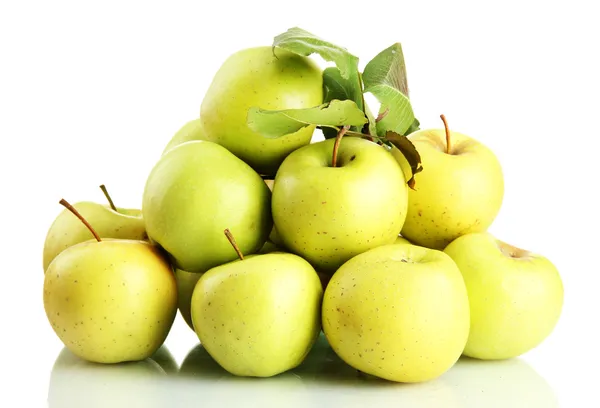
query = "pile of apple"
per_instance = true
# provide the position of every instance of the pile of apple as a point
(376, 236)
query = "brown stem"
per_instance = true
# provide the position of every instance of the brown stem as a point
(233, 243)
(382, 115)
(447, 133)
(336, 144)
(69, 207)
(110, 201)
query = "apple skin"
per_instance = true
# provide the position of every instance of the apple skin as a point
(260, 77)
(398, 312)
(516, 296)
(328, 215)
(402, 240)
(67, 230)
(455, 194)
(191, 130)
(186, 282)
(193, 193)
(111, 301)
(258, 317)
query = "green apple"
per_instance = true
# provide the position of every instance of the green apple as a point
(260, 77)
(191, 130)
(193, 193)
(186, 281)
(516, 296)
(398, 312)
(329, 214)
(402, 240)
(66, 230)
(110, 300)
(269, 247)
(259, 316)
(459, 191)
(274, 235)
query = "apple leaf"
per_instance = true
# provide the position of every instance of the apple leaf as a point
(413, 128)
(276, 123)
(302, 42)
(337, 87)
(410, 153)
(385, 77)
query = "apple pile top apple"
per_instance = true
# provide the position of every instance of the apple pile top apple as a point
(376, 236)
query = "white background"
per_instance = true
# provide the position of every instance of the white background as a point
(91, 92)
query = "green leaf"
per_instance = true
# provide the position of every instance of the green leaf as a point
(410, 153)
(337, 87)
(276, 123)
(302, 42)
(385, 78)
(347, 77)
(413, 128)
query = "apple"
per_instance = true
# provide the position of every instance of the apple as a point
(260, 77)
(516, 296)
(193, 193)
(459, 191)
(402, 240)
(258, 316)
(328, 214)
(191, 130)
(110, 300)
(398, 312)
(109, 222)
(186, 281)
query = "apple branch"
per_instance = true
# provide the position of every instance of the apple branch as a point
(69, 207)
(235, 246)
(110, 201)
(447, 133)
(336, 144)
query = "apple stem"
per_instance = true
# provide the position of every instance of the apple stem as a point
(336, 145)
(110, 201)
(447, 133)
(234, 244)
(69, 207)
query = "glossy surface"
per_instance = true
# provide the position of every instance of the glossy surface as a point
(322, 380)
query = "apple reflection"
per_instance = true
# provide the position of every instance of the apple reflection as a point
(201, 377)
(323, 379)
(75, 382)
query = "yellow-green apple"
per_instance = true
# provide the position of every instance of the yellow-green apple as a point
(191, 130)
(260, 77)
(516, 296)
(329, 214)
(193, 193)
(66, 230)
(459, 191)
(258, 316)
(186, 281)
(110, 300)
(398, 312)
